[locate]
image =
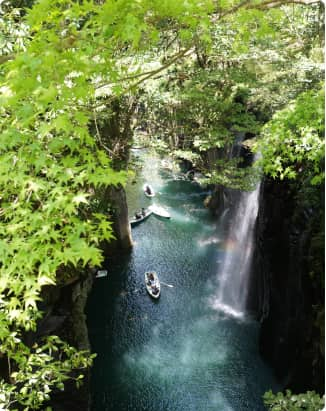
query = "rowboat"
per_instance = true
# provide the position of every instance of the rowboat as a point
(140, 216)
(148, 190)
(167, 165)
(101, 273)
(159, 211)
(152, 283)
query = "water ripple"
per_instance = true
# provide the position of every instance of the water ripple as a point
(187, 351)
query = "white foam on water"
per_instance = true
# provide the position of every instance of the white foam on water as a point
(226, 309)
(191, 353)
(208, 241)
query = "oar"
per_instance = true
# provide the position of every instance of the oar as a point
(168, 285)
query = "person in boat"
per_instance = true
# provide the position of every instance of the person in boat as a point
(154, 290)
(138, 215)
(151, 279)
(143, 211)
(148, 189)
(191, 174)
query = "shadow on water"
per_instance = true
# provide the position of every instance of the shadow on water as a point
(181, 352)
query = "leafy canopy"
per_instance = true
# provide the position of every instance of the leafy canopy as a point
(309, 401)
(253, 65)
(293, 141)
(62, 63)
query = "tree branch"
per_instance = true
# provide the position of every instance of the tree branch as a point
(106, 148)
(173, 60)
(266, 4)
(277, 3)
(148, 74)
(7, 57)
(145, 76)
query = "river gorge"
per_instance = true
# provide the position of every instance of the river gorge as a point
(196, 348)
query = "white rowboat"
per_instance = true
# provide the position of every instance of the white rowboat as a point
(153, 285)
(159, 211)
(142, 217)
(148, 190)
(101, 273)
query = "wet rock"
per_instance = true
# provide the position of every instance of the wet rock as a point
(283, 292)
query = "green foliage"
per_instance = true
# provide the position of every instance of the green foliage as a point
(310, 401)
(63, 65)
(187, 155)
(254, 64)
(13, 31)
(293, 141)
(42, 369)
(228, 174)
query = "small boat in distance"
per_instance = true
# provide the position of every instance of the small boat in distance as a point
(148, 190)
(152, 283)
(101, 273)
(159, 211)
(140, 216)
(167, 165)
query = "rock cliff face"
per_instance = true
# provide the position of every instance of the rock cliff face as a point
(287, 286)
(223, 198)
(114, 202)
(121, 226)
(64, 316)
(287, 283)
(66, 305)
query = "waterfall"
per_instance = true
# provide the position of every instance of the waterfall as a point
(236, 265)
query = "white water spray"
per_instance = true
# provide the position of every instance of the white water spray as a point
(235, 271)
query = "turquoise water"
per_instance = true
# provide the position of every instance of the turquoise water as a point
(182, 352)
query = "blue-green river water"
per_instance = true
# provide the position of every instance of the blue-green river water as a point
(180, 353)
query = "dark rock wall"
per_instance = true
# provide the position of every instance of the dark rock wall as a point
(113, 202)
(121, 226)
(64, 316)
(287, 286)
(223, 198)
(65, 306)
